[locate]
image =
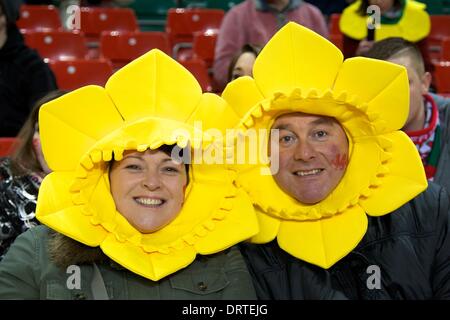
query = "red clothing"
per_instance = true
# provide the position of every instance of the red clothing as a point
(244, 23)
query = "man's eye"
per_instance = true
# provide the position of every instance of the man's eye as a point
(321, 134)
(286, 139)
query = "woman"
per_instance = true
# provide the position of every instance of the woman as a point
(399, 18)
(242, 62)
(119, 184)
(20, 178)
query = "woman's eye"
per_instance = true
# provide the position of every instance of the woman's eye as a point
(171, 169)
(133, 167)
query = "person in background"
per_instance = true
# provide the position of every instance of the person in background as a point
(125, 203)
(242, 62)
(399, 18)
(347, 211)
(20, 178)
(24, 77)
(256, 21)
(429, 118)
(328, 7)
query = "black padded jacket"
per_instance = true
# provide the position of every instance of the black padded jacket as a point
(403, 255)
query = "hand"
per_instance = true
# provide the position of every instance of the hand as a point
(364, 46)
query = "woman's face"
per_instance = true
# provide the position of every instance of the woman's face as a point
(244, 65)
(148, 188)
(385, 5)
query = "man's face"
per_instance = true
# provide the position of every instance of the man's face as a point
(313, 156)
(418, 86)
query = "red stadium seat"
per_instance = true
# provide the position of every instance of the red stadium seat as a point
(95, 20)
(73, 74)
(58, 45)
(440, 29)
(198, 68)
(6, 146)
(204, 45)
(39, 18)
(445, 49)
(122, 48)
(336, 35)
(183, 23)
(442, 76)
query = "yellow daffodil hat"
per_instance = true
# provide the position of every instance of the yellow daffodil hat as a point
(300, 71)
(414, 24)
(150, 102)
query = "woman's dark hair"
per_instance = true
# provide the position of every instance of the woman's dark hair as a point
(24, 159)
(245, 48)
(182, 154)
(362, 10)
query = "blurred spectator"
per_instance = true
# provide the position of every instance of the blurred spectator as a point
(399, 18)
(242, 62)
(24, 77)
(429, 118)
(256, 21)
(328, 7)
(20, 178)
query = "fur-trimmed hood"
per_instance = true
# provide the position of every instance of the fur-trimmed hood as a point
(64, 251)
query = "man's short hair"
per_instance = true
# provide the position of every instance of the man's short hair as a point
(397, 47)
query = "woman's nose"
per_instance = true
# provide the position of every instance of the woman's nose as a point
(151, 181)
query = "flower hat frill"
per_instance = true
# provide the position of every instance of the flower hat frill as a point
(150, 102)
(300, 71)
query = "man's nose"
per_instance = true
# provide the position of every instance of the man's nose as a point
(304, 151)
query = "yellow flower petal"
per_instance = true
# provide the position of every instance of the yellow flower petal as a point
(146, 86)
(238, 225)
(151, 266)
(281, 67)
(268, 227)
(242, 104)
(326, 241)
(405, 180)
(378, 85)
(87, 115)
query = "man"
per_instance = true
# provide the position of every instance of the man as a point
(255, 22)
(429, 118)
(24, 77)
(348, 214)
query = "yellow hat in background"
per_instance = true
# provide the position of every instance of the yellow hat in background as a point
(414, 24)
